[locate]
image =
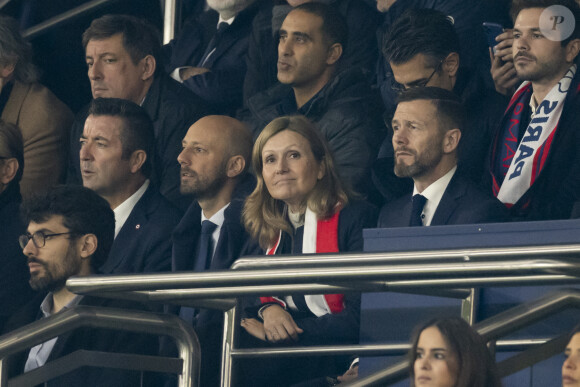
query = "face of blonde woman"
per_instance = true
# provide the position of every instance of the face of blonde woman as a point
(433, 360)
(571, 367)
(289, 168)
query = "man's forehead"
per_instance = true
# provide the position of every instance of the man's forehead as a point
(103, 126)
(528, 18)
(53, 222)
(304, 22)
(420, 110)
(112, 44)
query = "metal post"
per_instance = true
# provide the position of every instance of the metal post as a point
(469, 306)
(169, 16)
(228, 345)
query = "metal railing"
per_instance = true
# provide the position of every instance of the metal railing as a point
(186, 365)
(330, 273)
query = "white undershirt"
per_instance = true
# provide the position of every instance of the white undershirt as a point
(124, 209)
(217, 219)
(434, 193)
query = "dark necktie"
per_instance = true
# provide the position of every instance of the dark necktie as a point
(418, 204)
(205, 246)
(213, 43)
(202, 261)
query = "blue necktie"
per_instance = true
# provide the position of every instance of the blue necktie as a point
(202, 262)
(417, 210)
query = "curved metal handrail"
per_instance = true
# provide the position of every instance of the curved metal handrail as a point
(109, 318)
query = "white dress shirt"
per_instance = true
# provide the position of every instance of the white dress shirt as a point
(434, 193)
(124, 209)
(217, 219)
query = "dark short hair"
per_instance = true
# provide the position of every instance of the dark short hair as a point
(519, 5)
(137, 132)
(83, 210)
(334, 27)
(420, 31)
(450, 111)
(476, 367)
(140, 38)
(11, 146)
(15, 50)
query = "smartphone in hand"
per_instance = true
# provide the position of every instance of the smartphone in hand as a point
(492, 30)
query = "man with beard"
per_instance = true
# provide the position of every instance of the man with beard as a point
(427, 129)
(214, 162)
(69, 233)
(535, 156)
(116, 148)
(208, 55)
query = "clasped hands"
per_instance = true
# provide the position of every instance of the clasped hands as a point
(278, 326)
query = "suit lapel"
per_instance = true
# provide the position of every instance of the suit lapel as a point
(129, 238)
(448, 203)
(185, 239)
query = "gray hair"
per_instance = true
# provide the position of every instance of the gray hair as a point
(14, 50)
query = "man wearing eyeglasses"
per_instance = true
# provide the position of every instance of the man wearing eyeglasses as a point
(422, 48)
(69, 233)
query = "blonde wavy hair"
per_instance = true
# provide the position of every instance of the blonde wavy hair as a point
(264, 216)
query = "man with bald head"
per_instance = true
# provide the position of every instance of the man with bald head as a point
(214, 161)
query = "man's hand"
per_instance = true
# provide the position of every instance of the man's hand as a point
(280, 327)
(254, 328)
(503, 74)
(188, 72)
(503, 50)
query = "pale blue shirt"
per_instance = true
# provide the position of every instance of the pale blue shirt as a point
(38, 355)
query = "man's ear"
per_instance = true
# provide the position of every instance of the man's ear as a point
(88, 245)
(334, 54)
(6, 71)
(235, 166)
(451, 140)
(149, 65)
(572, 50)
(8, 170)
(451, 64)
(137, 160)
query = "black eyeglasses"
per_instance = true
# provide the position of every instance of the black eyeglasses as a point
(38, 238)
(400, 88)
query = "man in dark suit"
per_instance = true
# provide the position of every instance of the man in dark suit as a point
(69, 233)
(122, 55)
(214, 162)
(426, 128)
(210, 61)
(115, 160)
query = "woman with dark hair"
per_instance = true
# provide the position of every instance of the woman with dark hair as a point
(447, 352)
(571, 366)
(300, 206)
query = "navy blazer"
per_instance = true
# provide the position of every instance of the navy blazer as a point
(143, 244)
(461, 203)
(221, 87)
(92, 339)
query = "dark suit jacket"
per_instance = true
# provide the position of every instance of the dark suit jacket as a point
(173, 109)
(461, 203)
(88, 339)
(143, 244)
(221, 87)
(208, 324)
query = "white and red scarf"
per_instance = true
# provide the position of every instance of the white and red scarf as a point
(320, 236)
(525, 164)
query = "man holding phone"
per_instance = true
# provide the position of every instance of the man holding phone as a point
(535, 155)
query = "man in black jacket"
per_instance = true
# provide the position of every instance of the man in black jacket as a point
(214, 162)
(69, 233)
(123, 59)
(340, 103)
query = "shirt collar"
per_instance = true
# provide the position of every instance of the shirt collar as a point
(124, 209)
(434, 193)
(229, 21)
(217, 218)
(48, 302)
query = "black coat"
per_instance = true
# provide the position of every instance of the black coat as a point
(143, 244)
(14, 276)
(172, 109)
(221, 87)
(92, 339)
(461, 203)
